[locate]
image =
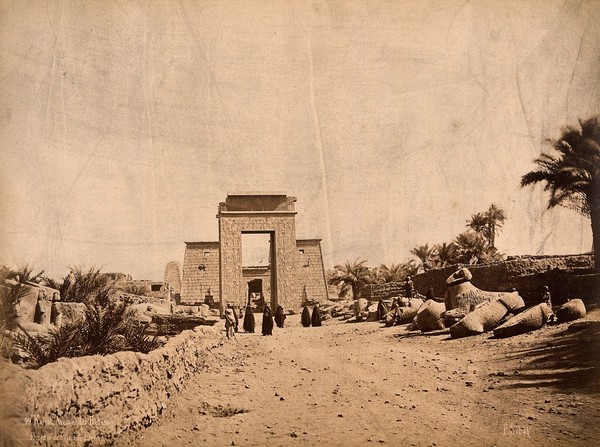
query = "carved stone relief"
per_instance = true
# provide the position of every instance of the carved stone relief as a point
(284, 279)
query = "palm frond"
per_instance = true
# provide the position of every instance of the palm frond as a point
(46, 348)
(572, 176)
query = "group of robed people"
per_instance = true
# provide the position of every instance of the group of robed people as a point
(308, 319)
(231, 320)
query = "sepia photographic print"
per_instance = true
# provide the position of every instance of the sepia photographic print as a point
(299, 223)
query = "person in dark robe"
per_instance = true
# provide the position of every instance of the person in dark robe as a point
(381, 309)
(279, 317)
(409, 288)
(249, 322)
(546, 296)
(305, 317)
(547, 299)
(315, 320)
(267, 322)
(429, 295)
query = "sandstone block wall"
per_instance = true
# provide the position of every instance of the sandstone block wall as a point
(173, 276)
(162, 291)
(311, 273)
(93, 399)
(196, 282)
(307, 274)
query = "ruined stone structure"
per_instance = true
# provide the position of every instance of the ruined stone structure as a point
(215, 268)
(311, 276)
(200, 272)
(173, 276)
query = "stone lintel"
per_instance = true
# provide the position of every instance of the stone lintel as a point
(256, 193)
(257, 213)
(257, 202)
(204, 243)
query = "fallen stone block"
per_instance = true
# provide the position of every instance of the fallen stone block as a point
(372, 316)
(571, 310)
(484, 318)
(529, 320)
(513, 302)
(429, 316)
(407, 314)
(359, 306)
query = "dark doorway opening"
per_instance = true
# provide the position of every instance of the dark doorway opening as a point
(255, 294)
(258, 268)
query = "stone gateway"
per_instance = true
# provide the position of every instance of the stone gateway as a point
(213, 270)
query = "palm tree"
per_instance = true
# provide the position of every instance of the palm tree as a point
(25, 274)
(351, 276)
(105, 330)
(573, 175)
(411, 268)
(425, 254)
(393, 273)
(495, 217)
(445, 254)
(83, 286)
(490, 254)
(478, 223)
(488, 223)
(470, 247)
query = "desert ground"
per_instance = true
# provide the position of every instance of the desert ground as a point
(353, 384)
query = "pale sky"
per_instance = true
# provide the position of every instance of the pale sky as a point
(123, 124)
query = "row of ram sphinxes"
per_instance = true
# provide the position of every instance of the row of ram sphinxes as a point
(467, 310)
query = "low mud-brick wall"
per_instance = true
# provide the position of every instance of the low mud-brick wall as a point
(383, 291)
(174, 324)
(567, 277)
(91, 400)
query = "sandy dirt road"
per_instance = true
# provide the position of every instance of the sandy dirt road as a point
(356, 384)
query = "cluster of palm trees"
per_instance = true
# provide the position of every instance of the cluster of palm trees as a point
(571, 175)
(474, 246)
(352, 276)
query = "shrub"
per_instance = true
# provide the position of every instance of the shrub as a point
(105, 330)
(81, 286)
(138, 339)
(43, 349)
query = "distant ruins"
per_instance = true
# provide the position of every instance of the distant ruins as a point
(173, 279)
(212, 271)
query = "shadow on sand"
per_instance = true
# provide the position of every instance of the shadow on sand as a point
(414, 334)
(568, 359)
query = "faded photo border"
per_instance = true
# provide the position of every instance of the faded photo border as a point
(124, 124)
